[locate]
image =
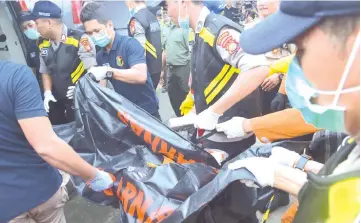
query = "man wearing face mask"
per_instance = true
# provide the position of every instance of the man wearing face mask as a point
(121, 59)
(219, 69)
(28, 26)
(327, 95)
(65, 55)
(144, 26)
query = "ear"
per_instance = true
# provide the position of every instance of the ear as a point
(110, 24)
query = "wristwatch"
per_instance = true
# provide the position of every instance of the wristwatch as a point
(280, 76)
(301, 163)
(109, 74)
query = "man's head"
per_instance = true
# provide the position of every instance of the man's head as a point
(159, 15)
(229, 3)
(328, 41)
(267, 7)
(47, 16)
(97, 24)
(28, 26)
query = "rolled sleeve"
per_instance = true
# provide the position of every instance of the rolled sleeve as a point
(285, 124)
(230, 51)
(135, 53)
(87, 52)
(26, 93)
(43, 69)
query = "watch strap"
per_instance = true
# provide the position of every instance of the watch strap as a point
(301, 163)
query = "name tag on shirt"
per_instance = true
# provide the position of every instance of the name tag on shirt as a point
(44, 52)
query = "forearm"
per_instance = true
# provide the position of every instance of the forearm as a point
(164, 55)
(132, 76)
(289, 179)
(61, 156)
(244, 85)
(47, 82)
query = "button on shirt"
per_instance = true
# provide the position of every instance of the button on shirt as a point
(26, 180)
(125, 53)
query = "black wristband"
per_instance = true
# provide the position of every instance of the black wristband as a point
(301, 163)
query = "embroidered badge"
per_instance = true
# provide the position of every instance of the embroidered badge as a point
(120, 61)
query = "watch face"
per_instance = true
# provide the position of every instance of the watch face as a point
(109, 74)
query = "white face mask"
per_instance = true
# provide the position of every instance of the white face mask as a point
(183, 23)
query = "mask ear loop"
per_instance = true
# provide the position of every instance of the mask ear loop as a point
(346, 72)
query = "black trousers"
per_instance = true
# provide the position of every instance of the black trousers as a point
(177, 85)
(155, 79)
(61, 112)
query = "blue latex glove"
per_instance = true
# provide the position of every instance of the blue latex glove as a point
(101, 181)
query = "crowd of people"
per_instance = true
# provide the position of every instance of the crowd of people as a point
(263, 72)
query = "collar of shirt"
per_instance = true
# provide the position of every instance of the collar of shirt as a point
(115, 42)
(139, 7)
(201, 19)
(64, 35)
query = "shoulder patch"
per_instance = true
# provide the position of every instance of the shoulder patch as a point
(85, 43)
(226, 41)
(120, 61)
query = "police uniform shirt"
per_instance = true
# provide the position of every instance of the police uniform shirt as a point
(32, 58)
(125, 53)
(228, 48)
(137, 29)
(87, 52)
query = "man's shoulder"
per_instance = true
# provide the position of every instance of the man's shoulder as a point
(8, 69)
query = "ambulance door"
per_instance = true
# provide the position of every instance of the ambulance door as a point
(10, 47)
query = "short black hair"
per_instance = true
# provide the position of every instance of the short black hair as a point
(94, 10)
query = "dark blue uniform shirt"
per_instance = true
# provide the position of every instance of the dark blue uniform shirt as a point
(32, 59)
(125, 53)
(26, 180)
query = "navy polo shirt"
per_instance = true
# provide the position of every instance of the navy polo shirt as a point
(32, 59)
(26, 180)
(125, 53)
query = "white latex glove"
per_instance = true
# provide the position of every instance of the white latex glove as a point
(101, 181)
(99, 73)
(70, 92)
(188, 119)
(206, 120)
(232, 128)
(218, 155)
(284, 156)
(262, 168)
(48, 97)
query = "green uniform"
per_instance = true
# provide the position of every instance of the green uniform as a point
(176, 46)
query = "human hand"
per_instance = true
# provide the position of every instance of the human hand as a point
(270, 82)
(70, 92)
(232, 128)
(207, 120)
(101, 181)
(263, 169)
(98, 73)
(48, 97)
(284, 156)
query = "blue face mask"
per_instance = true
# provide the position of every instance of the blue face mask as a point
(300, 93)
(32, 34)
(132, 12)
(183, 23)
(101, 39)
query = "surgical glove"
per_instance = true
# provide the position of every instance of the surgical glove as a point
(232, 128)
(207, 120)
(70, 92)
(187, 105)
(263, 169)
(101, 181)
(98, 73)
(48, 97)
(284, 156)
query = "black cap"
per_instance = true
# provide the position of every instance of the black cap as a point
(46, 9)
(26, 16)
(293, 19)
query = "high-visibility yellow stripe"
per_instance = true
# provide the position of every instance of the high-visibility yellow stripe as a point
(147, 43)
(77, 73)
(221, 85)
(77, 69)
(72, 41)
(45, 43)
(207, 36)
(150, 51)
(216, 80)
